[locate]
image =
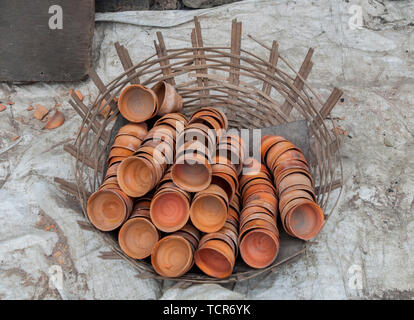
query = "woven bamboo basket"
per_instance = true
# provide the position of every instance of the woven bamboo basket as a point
(220, 77)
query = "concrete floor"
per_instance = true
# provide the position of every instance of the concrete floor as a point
(363, 252)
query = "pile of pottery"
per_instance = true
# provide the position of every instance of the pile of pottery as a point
(173, 255)
(109, 207)
(259, 236)
(138, 235)
(170, 206)
(301, 216)
(140, 173)
(128, 139)
(217, 251)
(192, 169)
(138, 103)
(184, 194)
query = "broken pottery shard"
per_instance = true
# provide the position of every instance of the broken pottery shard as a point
(40, 112)
(55, 121)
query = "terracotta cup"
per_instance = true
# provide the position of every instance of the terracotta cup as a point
(294, 194)
(192, 172)
(112, 171)
(218, 236)
(170, 211)
(208, 211)
(114, 160)
(172, 256)
(288, 156)
(189, 228)
(120, 152)
(293, 179)
(175, 116)
(215, 258)
(136, 176)
(107, 209)
(138, 103)
(226, 182)
(138, 130)
(259, 248)
(168, 98)
(127, 141)
(305, 220)
(137, 237)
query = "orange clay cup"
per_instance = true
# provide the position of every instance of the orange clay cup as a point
(257, 216)
(170, 211)
(127, 141)
(267, 142)
(218, 236)
(120, 152)
(207, 111)
(277, 150)
(193, 242)
(172, 256)
(168, 98)
(288, 156)
(107, 209)
(175, 116)
(293, 194)
(114, 160)
(136, 176)
(305, 220)
(293, 179)
(233, 235)
(258, 181)
(302, 187)
(112, 171)
(225, 182)
(192, 172)
(189, 228)
(255, 224)
(265, 197)
(215, 258)
(259, 248)
(138, 130)
(208, 212)
(289, 164)
(257, 188)
(137, 103)
(215, 190)
(137, 237)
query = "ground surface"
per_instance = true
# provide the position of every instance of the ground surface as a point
(364, 251)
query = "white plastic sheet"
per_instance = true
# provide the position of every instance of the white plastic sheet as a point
(364, 251)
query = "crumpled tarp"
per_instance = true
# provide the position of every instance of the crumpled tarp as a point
(364, 251)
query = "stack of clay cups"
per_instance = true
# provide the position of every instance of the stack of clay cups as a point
(208, 211)
(170, 206)
(300, 214)
(109, 207)
(173, 255)
(258, 236)
(138, 235)
(138, 103)
(233, 148)
(217, 251)
(140, 173)
(128, 139)
(195, 147)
